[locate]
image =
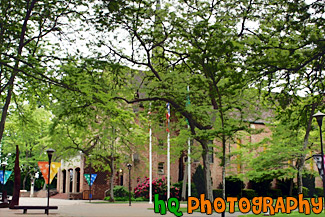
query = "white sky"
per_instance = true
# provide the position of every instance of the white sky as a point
(82, 38)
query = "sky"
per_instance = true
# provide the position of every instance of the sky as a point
(82, 38)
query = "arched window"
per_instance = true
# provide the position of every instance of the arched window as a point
(64, 175)
(78, 179)
(161, 168)
(70, 179)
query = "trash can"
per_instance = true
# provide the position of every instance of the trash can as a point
(85, 195)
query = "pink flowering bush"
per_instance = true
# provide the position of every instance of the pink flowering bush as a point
(159, 186)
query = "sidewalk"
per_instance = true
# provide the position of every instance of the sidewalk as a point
(81, 208)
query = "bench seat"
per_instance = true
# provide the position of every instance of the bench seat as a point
(25, 208)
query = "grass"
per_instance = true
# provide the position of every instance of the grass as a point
(293, 214)
(117, 202)
(184, 209)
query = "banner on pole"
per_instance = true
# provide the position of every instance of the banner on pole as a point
(167, 117)
(44, 167)
(318, 161)
(91, 179)
(6, 176)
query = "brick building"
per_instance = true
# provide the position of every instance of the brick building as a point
(71, 179)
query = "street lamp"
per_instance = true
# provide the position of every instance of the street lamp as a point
(4, 195)
(49, 154)
(319, 117)
(129, 167)
(90, 194)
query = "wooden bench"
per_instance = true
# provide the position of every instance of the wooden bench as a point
(25, 208)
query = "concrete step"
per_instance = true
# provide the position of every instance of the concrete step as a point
(60, 196)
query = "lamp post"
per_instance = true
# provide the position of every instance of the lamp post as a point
(319, 117)
(49, 154)
(90, 194)
(129, 167)
(4, 195)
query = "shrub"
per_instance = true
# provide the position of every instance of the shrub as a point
(305, 191)
(120, 191)
(234, 186)
(249, 193)
(217, 193)
(179, 185)
(275, 193)
(261, 186)
(319, 192)
(159, 186)
(284, 186)
(308, 181)
(198, 179)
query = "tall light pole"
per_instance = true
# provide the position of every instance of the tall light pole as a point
(150, 157)
(129, 167)
(49, 154)
(4, 195)
(319, 117)
(90, 194)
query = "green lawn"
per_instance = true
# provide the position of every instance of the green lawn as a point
(184, 209)
(126, 202)
(293, 214)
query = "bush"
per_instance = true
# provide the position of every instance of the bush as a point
(305, 191)
(319, 192)
(179, 185)
(249, 193)
(159, 186)
(217, 193)
(308, 181)
(234, 186)
(284, 186)
(198, 179)
(120, 191)
(261, 186)
(275, 193)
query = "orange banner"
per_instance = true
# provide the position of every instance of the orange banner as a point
(44, 167)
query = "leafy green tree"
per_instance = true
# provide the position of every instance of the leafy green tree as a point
(28, 128)
(25, 63)
(193, 43)
(89, 121)
(287, 54)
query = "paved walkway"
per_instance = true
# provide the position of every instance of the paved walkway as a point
(81, 208)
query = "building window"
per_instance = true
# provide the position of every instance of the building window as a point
(161, 168)
(78, 179)
(136, 159)
(239, 156)
(161, 144)
(197, 160)
(211, 154)
(70, 180)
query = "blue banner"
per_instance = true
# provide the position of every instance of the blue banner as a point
(7, 175)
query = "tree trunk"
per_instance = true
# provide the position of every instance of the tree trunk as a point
(15, 70)
(207, 173)
(291, 187)
(223, 167)
(111, 184)
(299, 179)
(15, 196)
(24, 181)
(301, 161)
(184, 182)
(32, 187)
